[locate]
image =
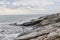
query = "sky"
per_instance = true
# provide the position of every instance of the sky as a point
(17, 7)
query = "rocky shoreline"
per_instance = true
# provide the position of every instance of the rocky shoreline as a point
(46, 28)
(42, 28)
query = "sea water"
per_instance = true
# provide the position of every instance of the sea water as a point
(18, 18)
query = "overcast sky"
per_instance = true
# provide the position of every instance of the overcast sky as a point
(14, 7)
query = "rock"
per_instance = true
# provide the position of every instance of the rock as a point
(40, 37)
(43, 18)
(52, 36)
(49, 16)
(44, 22)
(47, 28)
(57, 39)
(36, 33)
(49, 21)
(34, 22)
(31, 35)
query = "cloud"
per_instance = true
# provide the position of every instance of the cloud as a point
(28, 6)
(11, 10)
(46, 2)
(7, 11)
(57, 0)
(25, 3)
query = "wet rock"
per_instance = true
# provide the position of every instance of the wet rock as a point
(34, 22)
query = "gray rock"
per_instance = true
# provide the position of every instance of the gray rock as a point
(34, 22)
(52, 36)
(47, 28)
(31, 35)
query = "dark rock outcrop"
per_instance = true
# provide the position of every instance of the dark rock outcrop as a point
(33, 22)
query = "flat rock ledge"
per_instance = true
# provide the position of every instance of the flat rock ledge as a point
(47, 28)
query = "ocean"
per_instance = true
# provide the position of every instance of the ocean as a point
(18, 18)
